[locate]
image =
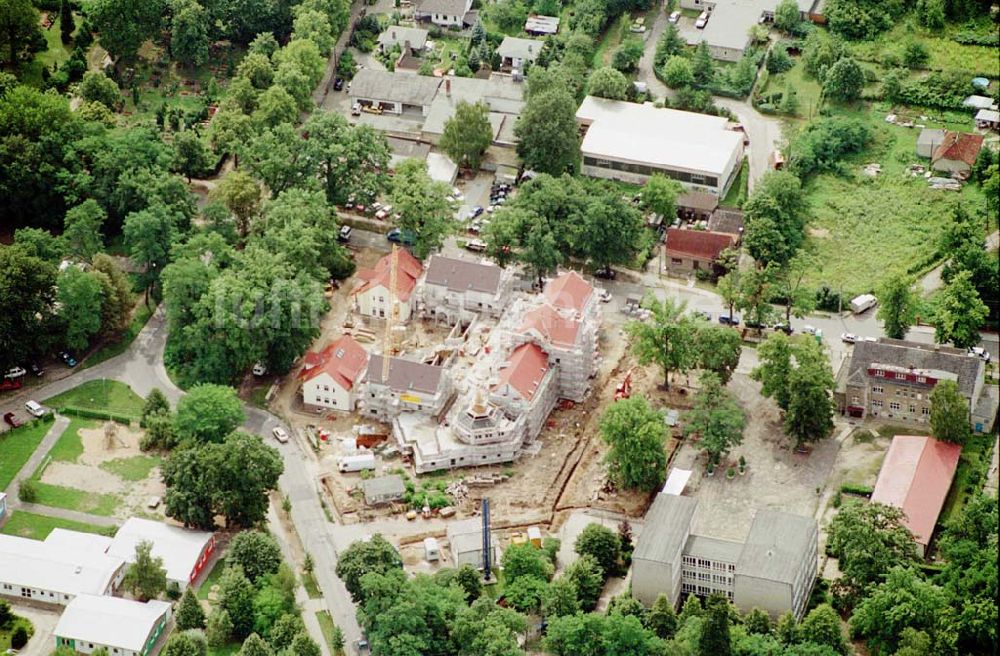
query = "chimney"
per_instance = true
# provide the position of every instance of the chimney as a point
(447, 86)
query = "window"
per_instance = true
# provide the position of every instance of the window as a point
(689, 560)
(894, 405)
(900, 376)
(855, 400)
(921, 379)
(703, 562)
(676, 260)
(879, 372)
(326, 388)
(877, 389)
(876, 404)
(925, 411)
(913, 409)
(704, 576)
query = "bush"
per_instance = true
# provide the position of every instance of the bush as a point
(860, 490)
(19, 638)
(778, 61)
(88, 413)
(27, 491)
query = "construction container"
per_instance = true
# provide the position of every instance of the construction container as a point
(432, 550)
(535, 536)
(356, 463)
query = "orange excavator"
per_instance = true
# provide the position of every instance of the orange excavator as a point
(624, 389)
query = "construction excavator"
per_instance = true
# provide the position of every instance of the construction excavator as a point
(624, 388)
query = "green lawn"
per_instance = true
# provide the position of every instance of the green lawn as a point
(38, 527)
(326, 625)
(212, 578)
(55, 53)
(16, 447)
(225, 650)
(136, 468)
(58, 496)
(739, 188)
(108, 395)
(111, 349)
(309, 583)
(969, 477)
(6, 633)
(945, 54)
(69, 447)
(807, 89)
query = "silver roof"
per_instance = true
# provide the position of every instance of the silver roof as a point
(404, 88)
(666, 529)
(776, 544)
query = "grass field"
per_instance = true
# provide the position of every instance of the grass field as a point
(69, 447)
(108, 395)
(16, 447)
(326, 625)
(38, 527)
(111, 349)
(212, 578)
(945, 54)
(71, 498)
(807, 89)
(136, 468)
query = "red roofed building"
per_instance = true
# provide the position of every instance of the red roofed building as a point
(329, 377)
(371, 298)
(957, 153)
(550, 326)
(915, 477)
(695, 250)
(524, 372)
(569, 291)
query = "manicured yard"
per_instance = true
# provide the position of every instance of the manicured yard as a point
(69, 447)
(212, 578)
(16, 447)
(111, 349)
(70, 498)
(107, 395)
(38, 527)
(136, 468)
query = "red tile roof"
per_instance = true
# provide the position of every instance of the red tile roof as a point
(697, 244)
(915, 476)
(569, 291)
(343, 360)
(408, 270)
(959, 147)
(552, 326)
(525, 370)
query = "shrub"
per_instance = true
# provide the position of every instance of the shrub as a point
(860, 490)
(89, 413)
(19, 638)
(27, 492)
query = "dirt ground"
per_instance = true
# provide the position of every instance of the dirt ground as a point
(87, 475)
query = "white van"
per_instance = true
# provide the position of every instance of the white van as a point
(34, 408)
(702, 20)
(863, 303)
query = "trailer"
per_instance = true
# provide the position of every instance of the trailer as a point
(356, 463)
(863, 303)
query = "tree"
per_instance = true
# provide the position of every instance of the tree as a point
(809, 416)
(274, 107)
(467, 134)
(191, 157)
(669, 44)
(869, 539)
(218, 628)
(915, 54)
(862, 19)
(67, 23)
(525, 593)
(82, 232)
(627, 55)
(715, 417)
(667, 338)
(719, 350)
(636, 434)
(790, 101)
(350, 160)
(548, 137)
(775, 357)
(661, 618)
(189, 37)
(611, 233)
(303, 645)
(186, 643)
(314, 26)
(285, 629)
(844, 80)
(245, 471)
(470, 581)
(822, 626)
(949, 413)
(787, 17)
(775, 218)
(116, 290)
(363, 557)
(20, 35)
(423, 204)
(714, 639)
(757, 622)
(702, 66)
(230, 130)
(525, 561)
(36, 242)
(125, 24)
(959, 312)
(787, 629)
(208, 413)
(897, 306)
(257, 68)
(80, 297)
(236, 597)
(903, 600)
(189, 613)
(659, 195)
(254, 645)
(146, 577)
(149, 234)
(588, 579)
(98, 87)
(241, 195)
(607, 82)
(257, 552)
(303, 55)
(603, 544)
(560, 599)
(677, 72)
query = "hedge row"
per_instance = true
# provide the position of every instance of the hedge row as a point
(89, 413)
(860, 490)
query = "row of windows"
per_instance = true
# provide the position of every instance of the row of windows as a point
(703, 590)
(705, 563)
(643, 169)
(896, 407)
(899, 375)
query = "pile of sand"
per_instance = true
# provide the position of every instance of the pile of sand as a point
(124, 445)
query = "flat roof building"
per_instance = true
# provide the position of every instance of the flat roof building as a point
(58, 571)
(728, 27)
(124, 627)
(396, 93)
(184, 551)
(630, 142)
(500, 93)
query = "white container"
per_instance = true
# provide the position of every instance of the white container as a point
(357, 462)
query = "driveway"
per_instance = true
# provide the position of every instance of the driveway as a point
(765, 134)
(42, 642)
(646, 65)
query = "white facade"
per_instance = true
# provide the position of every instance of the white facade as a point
(374, 302)
(446, 13)
(324, 391)
(122, 626)
(456, 291)
(55, 573)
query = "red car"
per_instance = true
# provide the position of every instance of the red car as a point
(10, 384)
(12, 420)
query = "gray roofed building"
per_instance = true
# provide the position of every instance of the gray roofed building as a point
(928, 140)
(394, 88)
(414, 37)
(701, 546)
(541, 25)
(465, 537)
(503, 97)
(455, 290)
(912, 355)
(383, 489)
(728, 220)
(405, 375)
(775, 540)
(515, 51)
(446, 13)
(667, 523)
(460, 275)
(729, 23)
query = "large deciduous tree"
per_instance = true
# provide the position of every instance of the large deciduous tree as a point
(602, 543)
(809, 416)
(897, 306)
(423, 204)
(350, 160)
(659, 195)
(125, 24)
(869, 539)
(208, 413)
(612, 232)
(608, 82)
(20, 34)
(845, 80)
(775, 218)
(376, 555)
(149, 235)
(666, 339)
(904, 600)
(715, 417)
(636, 434)
(189, 32)
(241, 195)
(146, 577)
(548, 136)
(467, 134)
(257, 552)
(949, 413)
(959, 313)
(719, 350)
(80, 299)
(775, 357)
(82, 230)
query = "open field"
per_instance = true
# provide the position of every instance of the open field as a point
(106, 395)
(38, 527)
(17, 446)
(945, 54)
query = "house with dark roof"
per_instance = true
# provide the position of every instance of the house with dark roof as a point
(394, 93)
(892, 380)
(915, 477)
(687, 251)
(446, 13)
(411, 386)
(330, 377)
(371, 296)
(456, 290)
(957, 152)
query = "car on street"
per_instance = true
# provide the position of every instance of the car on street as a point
(475, 245)
(727, 320)
(605, 274)
(783, 327)
(474, 213)
(35, 368)
(344, 234)
(980, 352)
(280, 434)
(8, 384)
(259, 369)
(338, 84)
(67, 358)
(361, 647)
(16, 372)
(848, 338)
(809, 330)
(13, 421)
(398, 236)
(34, 408)
(674, 17)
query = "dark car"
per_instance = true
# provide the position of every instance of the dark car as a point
(754, 324)
(68, 358)
(35, 368)
(7, 384)
(398, 236)
(605, 274)
(784, 327)
(338, 84)
(12, 420)
(727, 320)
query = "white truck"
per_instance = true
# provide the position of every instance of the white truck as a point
(356, 463)
(862, 303)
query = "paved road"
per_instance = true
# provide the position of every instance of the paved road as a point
(764, 133)
(646, 64)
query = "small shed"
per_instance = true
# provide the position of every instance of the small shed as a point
(466, 540)
(535, 536)
(432, 550)
(988, 119)
(383, 489)
(696, 205)
(979, 102)
(928, 140)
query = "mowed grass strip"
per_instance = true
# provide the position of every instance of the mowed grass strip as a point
(108, 395)
(70, 498)
(37, 527)
(134, 468)
(16, 446)
(69, 447)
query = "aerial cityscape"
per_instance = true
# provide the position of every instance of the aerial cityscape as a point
(499, 327)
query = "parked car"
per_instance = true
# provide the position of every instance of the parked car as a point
(476, 245)
(702, 20)
(457, 193)
(674, 17)
(809, 330)
(604, 296)
(345, 233)
(35, 368)
(980, 352)
(404, 237)
(727, 320)
(67, 358)
(259, 369)
(605, 274)
(280, 434)
(8, 384)
(338, 84)
(383, 213)
(756, 325)
(12, 420)
(784, 327)
(474, 213)
(356, 109)
(16, 372)
(34, 408)
(848, 338)
(361, 647)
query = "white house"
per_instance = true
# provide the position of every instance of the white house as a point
(456, 290)
(122, 626)
(56, 572)
(185, 552)
(372, 298)
(329, 377)
(446, 13)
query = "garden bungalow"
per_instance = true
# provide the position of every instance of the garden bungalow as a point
(541, 25)
(516, 53)
(446, 13)
(122, 626)
(410, 39)
(394, 93)
(695, 250)
(957, 153)
(185, 552)
(988, 119)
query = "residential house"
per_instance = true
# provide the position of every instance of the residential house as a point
(411, 40)
(915, 477)
(383, 489)
(410, 386)
(56, 571)
(330, 377)
(957, 153)
(394, 93)
(503, 97)
(773, 568)
(687, 251)
(517, 54)
(445, 13)
(988, 119)
(892, 380)
(728, 220)
(630, 142)
(185, 552)
(541, 25)
(372, 297)
(465, 537)
(727, 31)
(456, 291)
(928, 141)
(121, 626)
